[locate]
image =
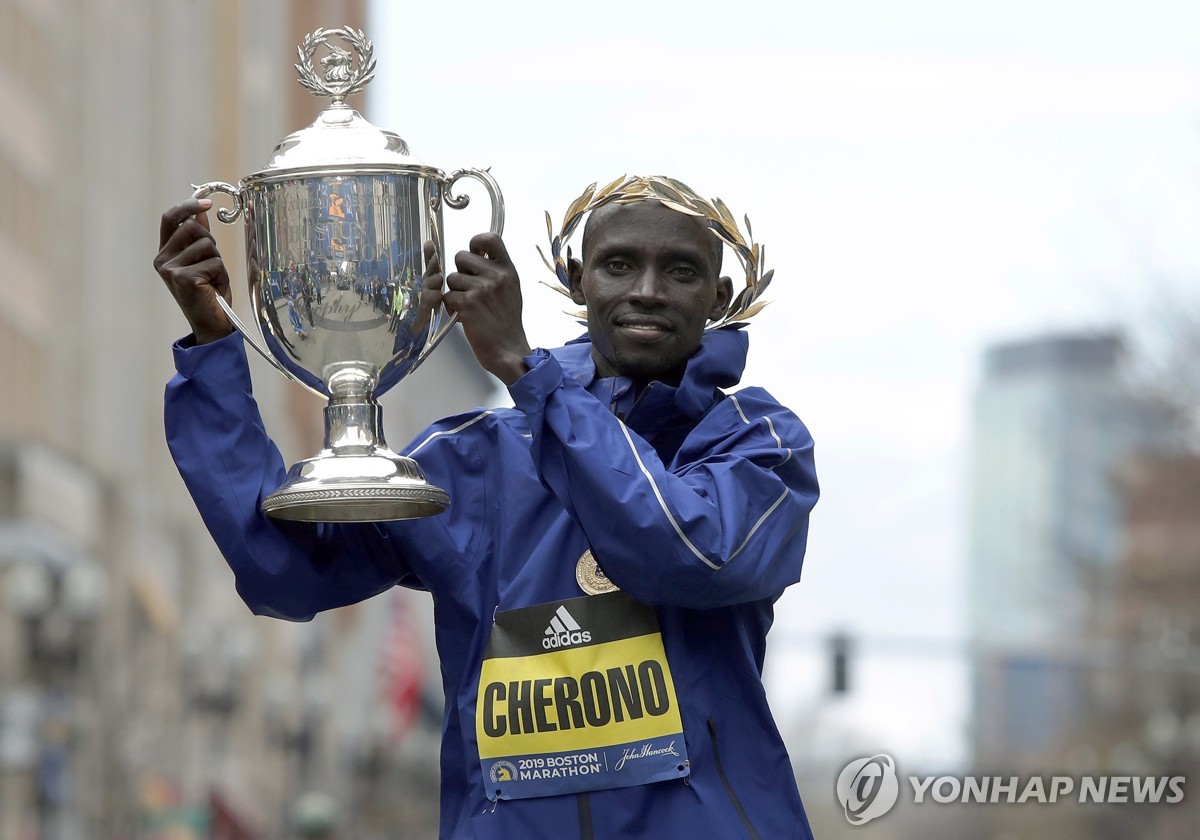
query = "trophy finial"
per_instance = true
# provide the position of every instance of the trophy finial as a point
(342, 78)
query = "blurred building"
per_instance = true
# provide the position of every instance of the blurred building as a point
(1151, 615)
(1054, 416)
(138, 696)
(1142, 713)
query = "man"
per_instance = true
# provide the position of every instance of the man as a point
(636, 710)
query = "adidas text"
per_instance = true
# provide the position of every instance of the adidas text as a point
(566, 639)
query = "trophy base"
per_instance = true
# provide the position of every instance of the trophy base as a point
(378, 487)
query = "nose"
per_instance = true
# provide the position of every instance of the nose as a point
(648, 288)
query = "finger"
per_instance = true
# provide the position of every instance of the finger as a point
(187, 244)
(452, 300)
(211, 272)
(472, 263)
(208, 272)
(430, 298)
(490, 245)
(179, 214)
(191, 230)
(464, 305)
(459, 281)
(191, 249)
(432, 281)
(433, 263)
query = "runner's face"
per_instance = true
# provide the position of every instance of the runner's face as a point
(649, 279)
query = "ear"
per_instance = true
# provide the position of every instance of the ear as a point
(724, 298)
(575, 275)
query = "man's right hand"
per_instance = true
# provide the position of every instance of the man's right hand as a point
(190, 264)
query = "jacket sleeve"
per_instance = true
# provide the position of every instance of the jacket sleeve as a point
(725, 523)
(287, 570)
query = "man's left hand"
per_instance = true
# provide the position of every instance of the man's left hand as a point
(486, 294)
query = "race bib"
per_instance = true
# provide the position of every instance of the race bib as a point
(576, 695)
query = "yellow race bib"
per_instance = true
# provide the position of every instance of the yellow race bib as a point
(577, 695)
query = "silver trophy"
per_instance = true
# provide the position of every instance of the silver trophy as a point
(334, 227)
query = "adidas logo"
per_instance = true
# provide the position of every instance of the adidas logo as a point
(564, 631)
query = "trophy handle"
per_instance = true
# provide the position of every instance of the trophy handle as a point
(229, 216)
(458, 202)
(225, 214)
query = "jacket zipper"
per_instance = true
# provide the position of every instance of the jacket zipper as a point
(729, 791)
(584, 803)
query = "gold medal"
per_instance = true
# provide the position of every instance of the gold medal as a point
(591, 577)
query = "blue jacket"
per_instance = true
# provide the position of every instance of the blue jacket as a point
(696, 503)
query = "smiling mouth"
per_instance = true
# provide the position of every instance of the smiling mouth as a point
(641, 333)
(645, 325)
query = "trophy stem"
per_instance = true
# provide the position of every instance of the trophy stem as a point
(355, 478)
(353, 419)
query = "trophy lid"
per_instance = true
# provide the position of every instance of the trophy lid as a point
(340, 135)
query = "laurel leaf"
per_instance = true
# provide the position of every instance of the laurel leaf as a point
(569, 227)
(679, 208)
(720, 231)
(556, 287)
(612, 199)
(726, 216)
(666, 191)
(765, 281)
(611, 187)
(577, 206)
(751, 311)
(679, 186)
(549, 264)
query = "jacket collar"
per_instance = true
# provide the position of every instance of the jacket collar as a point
(719, 363)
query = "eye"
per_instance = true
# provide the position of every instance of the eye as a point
(683, 272)
(617, 265)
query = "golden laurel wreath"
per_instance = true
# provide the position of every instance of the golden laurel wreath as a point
(676, 195)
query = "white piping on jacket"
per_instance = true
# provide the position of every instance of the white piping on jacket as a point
(760, 521)
(670, 518)
(662, 502)
(770, 428)
(470, 422)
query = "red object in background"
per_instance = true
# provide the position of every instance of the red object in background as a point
(401, 669)
(224, 821)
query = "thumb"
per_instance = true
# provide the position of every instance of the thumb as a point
(202, 216)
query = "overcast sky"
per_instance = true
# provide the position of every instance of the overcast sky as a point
(927, 177)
